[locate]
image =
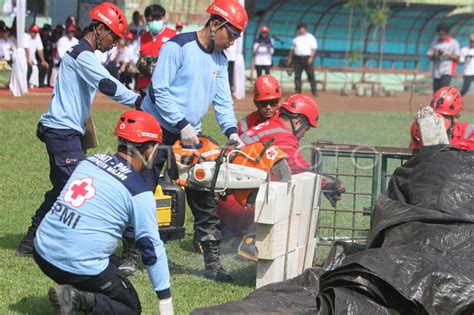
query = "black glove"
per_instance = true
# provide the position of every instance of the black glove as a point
(333, 191)
(139, 101)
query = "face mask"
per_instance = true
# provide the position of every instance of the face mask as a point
(155, 26)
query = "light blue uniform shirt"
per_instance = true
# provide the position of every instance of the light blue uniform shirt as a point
(186, 80)
(80, 76)
(101, 198)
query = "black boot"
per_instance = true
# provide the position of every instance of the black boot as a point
(66, 300)
(214, 269)
(25, 248)
(128, 266)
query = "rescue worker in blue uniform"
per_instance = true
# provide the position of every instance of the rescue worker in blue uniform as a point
(62, 126)
(76, 238)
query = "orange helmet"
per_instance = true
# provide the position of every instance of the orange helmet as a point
(179, 24)
(35, 28)
(138, 127)
(111, 15)
(447, 101)
(300, 104)
(264, 29)
(232, 11)
(266, 87)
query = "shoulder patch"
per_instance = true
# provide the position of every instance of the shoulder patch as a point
(184, 38)
(76, 50)
(119, 169)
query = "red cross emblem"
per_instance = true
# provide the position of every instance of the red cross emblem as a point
(80, 190)
(271, 154)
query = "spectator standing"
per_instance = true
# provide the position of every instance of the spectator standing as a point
(66, 42)
(467, 58)
(263, 51)
(231, 54)
(136, 27)
(48, 44)
(302, 55)
(444, 52)
(36, 47)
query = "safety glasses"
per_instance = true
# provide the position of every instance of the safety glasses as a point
(232, 33)
(263, 104)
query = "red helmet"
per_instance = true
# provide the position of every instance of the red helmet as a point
(35, 28)
(111, 15)
(130, 36)
(447, 101)
(264, 29)
(70, 28)
(179, 24)
(138, 127)
(232, 11)
(301, 104)
(266, 88)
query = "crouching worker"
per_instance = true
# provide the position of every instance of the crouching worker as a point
(104, 194)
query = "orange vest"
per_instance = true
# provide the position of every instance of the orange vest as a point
(150, 47)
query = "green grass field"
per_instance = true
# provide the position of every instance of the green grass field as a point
(24, 169)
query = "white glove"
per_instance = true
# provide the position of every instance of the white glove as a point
(165, 307)
(238, 143)
(189, 135)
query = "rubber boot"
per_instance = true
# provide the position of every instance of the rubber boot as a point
(213, 267)
(25, 248)
(128, 266)
(66, 300)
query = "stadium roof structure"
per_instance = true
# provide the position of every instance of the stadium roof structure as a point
(407, 34)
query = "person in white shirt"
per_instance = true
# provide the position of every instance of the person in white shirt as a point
(263, 51)
(231, 54)
(302, 55)
(6, 45)
(65, 43)
(35, 46)
(444, 53)
(467, 58)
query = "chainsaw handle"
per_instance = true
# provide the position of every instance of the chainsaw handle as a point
(219, 161)
(193, 146)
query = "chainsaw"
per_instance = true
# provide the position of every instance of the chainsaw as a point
(208, 167)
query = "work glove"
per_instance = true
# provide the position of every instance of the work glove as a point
(333, 191)
(189, 136)
(235, 140)
(165, 307)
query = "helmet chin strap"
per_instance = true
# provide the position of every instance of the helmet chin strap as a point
(99, 39)
(293, 127)
(146, 163)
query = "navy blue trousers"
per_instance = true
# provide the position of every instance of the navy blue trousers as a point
(64, 152)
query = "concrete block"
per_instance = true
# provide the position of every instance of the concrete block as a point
(300, 252)
(271, 239)
(432, 128)
(293, 234)
(278, 206)
(310, 250)
(291, 265)
(270, 271)
(304, 186)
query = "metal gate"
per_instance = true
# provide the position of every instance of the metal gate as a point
(365, 172)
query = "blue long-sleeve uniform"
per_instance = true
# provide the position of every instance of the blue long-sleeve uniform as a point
(80, 76)
(101, 198)
(186, 80)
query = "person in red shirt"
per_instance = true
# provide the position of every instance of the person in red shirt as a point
(447, 102)
(150, 43)
(266, 97)
(297, 115)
